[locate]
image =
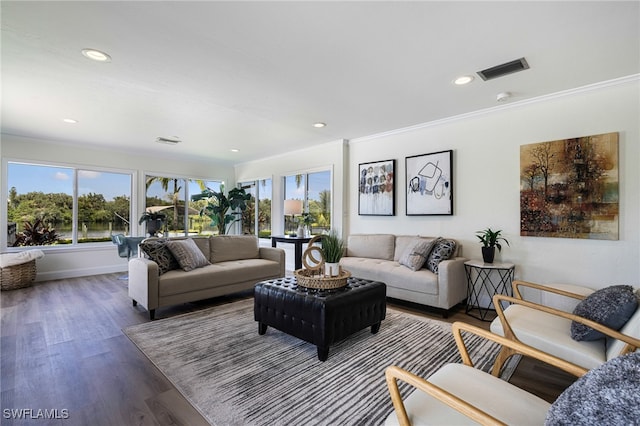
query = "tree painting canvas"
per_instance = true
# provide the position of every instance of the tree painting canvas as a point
(569, 188)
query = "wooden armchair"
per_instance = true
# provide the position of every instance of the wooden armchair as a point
(548, 329)
(461, 394)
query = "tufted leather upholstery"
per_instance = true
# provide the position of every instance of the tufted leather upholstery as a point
(319, 317)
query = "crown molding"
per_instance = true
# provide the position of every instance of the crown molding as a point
(634, 78)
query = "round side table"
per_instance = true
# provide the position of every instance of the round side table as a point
(486, 278)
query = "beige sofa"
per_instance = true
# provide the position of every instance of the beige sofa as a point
(234, 263)
(377, 257)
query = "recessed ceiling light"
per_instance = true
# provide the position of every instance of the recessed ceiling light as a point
(462, 80)
(234, 150)
(96, 55)
(319, 124)
(69, 120)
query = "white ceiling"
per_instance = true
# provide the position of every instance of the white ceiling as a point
(254, 76)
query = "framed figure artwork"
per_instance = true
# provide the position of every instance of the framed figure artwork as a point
(376, 188)
(429, 179)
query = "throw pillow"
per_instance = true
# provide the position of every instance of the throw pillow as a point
(416, 253)
(158, 251)
(188, 254)
(610, 306)
(606, 395)
(442, 250)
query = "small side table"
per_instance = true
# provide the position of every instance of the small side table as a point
(482, 276)
(298, 241)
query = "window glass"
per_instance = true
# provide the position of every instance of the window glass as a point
(103, 205)
(319, 201)
(257, 217)
(173, 213)
(40, 207)
(314, 190)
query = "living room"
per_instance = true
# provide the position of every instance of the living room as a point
(485, 143)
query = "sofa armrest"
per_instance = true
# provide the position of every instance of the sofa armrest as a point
(143, 282)
(452, 280)
(275, 254)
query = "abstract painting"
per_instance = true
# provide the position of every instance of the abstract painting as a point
(430, 184)
(569, 188)
(376, 192)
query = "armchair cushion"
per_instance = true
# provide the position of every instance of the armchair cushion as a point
(158, 251)
(611, 306)
(443, 249)
(415, 254)
(609, 394)
(187, 253)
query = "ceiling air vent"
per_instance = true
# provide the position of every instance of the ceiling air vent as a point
(169, 141)
(504, 69)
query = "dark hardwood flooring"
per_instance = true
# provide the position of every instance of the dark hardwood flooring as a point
(63, 350)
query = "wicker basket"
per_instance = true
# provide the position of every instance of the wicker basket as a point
(18, 276)
(311, 279)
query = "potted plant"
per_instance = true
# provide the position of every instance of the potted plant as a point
(154, 221)
(224, 210)
(332, 251)
(305, 221)
(490, 240)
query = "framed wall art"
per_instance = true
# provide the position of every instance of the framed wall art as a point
(376, 192)
(429, 179)
(569, 188)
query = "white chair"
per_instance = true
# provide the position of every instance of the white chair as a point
(460, 394)
(548, 328)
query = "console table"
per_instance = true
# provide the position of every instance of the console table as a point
(493, 278)
(298, 241)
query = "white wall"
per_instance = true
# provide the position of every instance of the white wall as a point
(64, 262)
(486, 181)
(331, 156)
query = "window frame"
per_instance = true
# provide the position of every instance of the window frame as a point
(75, 245)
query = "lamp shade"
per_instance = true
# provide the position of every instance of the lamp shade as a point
(292, 207)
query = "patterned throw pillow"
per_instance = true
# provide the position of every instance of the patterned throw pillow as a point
(442, 250)
(611, 306)
(188, 254)
(158, 251)
(416, 253)
(606, 395)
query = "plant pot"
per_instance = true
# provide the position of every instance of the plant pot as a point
(332, 269)
(488, 253)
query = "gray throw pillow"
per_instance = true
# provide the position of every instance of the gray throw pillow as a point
(611, 306)
(606, 395)
(158, 251)
(188, 254)
(442, 250)
(416, 253)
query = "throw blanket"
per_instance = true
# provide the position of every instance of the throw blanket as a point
(12, 259)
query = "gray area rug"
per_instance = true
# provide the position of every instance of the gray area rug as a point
(234, 376)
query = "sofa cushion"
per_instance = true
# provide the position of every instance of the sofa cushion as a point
(611, 306)
(234, 247)
(392, 274)
(217, 275)
(157, 250)
(373, 246)
(416, 253)
(443, 249)
(607, 395)
(188, 254)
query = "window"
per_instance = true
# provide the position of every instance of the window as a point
(170, 197)
(314, 190)
(256, 220)
(43, 211)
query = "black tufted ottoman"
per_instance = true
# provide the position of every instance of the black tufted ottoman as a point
(320, 317)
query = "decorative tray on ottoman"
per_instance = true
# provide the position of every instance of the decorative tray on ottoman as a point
(311, 278)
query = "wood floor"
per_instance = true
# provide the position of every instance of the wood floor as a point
(63, 351)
